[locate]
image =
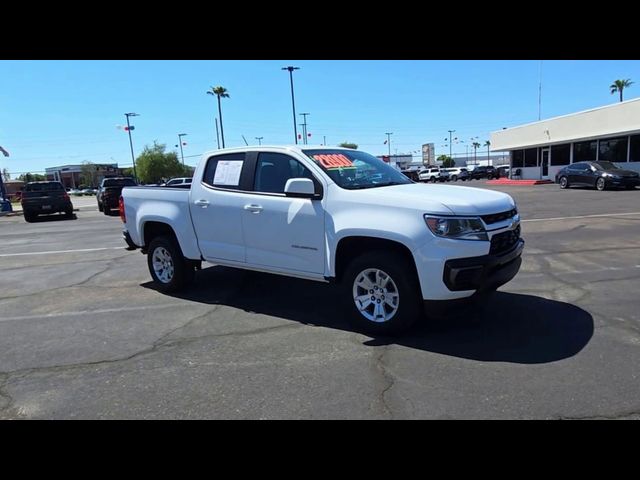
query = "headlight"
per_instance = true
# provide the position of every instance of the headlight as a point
(461, 228)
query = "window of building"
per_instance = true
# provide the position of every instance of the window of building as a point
(585, 151)
(531, 157)
(517, 158)
(613, 149)
(634, 150)
(560, 154)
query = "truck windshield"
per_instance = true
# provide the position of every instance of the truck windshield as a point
(352, 169)
(120, 182)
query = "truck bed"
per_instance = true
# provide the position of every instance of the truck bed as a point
(169, 205)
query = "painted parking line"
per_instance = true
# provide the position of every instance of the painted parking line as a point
(61, 251)
(92, 312)
(580, 216)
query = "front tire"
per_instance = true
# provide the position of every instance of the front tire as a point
(454, 178)
(169, 269)
(382, 293)
(600, 184)
(564, 182)
(99, 207)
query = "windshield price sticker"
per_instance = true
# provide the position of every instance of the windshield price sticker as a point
(334, 161)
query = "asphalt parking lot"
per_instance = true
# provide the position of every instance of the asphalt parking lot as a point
(83, 334)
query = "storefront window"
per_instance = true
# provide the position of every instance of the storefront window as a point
(584, 151)
(531, 157)
(613, 149)
(560, 154)
(635, 149)
(517, 158)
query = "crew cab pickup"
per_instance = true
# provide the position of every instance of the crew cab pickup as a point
(330, 215)
(109, 192)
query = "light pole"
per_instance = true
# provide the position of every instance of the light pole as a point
(180, 135)
(259, 140)
(450, 150)
(293, 101)
(129, 128)
(388, 134)
(304, 126)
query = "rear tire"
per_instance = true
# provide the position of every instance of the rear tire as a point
(29, 217)
(454, 178)
(564, 182)
(99, 207)
(69, 213)
(106, 210)
(169, 269)
(434, 179)
(390, 279)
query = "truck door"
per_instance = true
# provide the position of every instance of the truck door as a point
(216, 205)
(283, 232)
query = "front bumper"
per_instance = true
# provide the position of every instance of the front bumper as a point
(486, 272)
(623, 182)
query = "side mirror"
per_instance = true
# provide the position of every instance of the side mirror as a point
(300, 188)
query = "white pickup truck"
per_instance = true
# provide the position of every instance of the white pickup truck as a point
(331, 215)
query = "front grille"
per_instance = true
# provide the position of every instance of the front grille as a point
(504, 241)
(499, 217)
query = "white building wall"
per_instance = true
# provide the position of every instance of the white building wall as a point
(617, 119)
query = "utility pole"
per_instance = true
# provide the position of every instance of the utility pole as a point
(304, 126)
(388, 134)
(293, 101)
(259, 140)
(129, 128)
(540, 91)
(324, 141)
(180, 135)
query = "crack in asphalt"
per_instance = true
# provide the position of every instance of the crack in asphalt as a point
(4, 396)
(388, 381)
(78, 284)
(162, 342)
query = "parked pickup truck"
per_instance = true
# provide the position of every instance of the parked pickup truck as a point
(331, 215)
(43, 198)
(109, 192)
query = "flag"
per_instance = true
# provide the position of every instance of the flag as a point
(4, 152)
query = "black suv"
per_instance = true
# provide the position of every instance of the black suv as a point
(40, 198)
(489, 172)
(109, 192)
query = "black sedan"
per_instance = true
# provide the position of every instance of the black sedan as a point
(600, 175)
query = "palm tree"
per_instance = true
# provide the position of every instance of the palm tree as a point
(619, 86)
(488, 144)
(219, 92)
(476, 145)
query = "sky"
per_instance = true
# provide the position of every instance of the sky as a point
(65, 112)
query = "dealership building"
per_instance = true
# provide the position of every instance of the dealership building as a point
(542, 148)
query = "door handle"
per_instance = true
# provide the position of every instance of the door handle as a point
(202, 203)
(253, 208)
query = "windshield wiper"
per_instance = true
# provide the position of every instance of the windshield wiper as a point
(387, 184)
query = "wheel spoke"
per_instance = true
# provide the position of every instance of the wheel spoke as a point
(363, 302)
(391, 300)
(364, 282)
(381, 279)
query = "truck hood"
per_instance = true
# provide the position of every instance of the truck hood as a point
(438, 199)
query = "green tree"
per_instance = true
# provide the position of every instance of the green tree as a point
(476, 146)
(619, 86)
(89, 174)
(219, 92)
(354, 146)
(154, 164)
(488, 144)
(31, 177)
(127, 172)
(446, 161)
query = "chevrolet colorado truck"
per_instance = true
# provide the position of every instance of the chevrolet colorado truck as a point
(330, 215)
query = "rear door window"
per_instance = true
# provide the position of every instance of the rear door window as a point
(224, 171)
